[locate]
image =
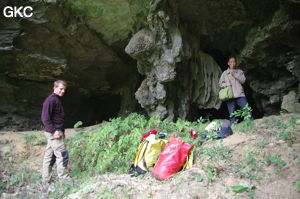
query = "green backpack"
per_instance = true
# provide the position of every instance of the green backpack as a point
(226, 93)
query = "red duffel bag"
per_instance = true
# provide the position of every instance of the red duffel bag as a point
(171, 159)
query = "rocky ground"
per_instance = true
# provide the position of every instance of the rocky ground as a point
(260, 160)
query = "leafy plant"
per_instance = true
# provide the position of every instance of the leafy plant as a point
(283, 135)
(113, 146)
(244, 113)
(215, 153)
(297, 185)
(40, 142)
(244, 187)
(276, 161)
(203, 120)
(30, 139)
(199, 178)
(24, 177)
(78, 124)
(33, 140)
(249, 166)
(211, 173)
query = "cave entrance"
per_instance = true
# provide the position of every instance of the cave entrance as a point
(196, 113)
(90, 110)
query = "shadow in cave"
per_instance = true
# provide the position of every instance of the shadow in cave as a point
(222, 113)
(90, 110)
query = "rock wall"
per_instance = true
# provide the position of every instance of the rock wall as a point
(176, 75)
(171, 63)
(179, 51)
(271, 57)
(57, 43)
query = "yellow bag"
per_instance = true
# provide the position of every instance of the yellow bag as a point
(147, 153)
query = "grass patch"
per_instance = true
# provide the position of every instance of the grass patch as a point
(249, 166)
(244, 187)
(276, 161)
(246, 127)
(211, 173)
(215, 154)
(33, 140)
(22, 177)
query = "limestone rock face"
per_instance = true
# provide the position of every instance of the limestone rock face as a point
(56, 44)
(271, 57)
(161, 56)
(191, 36)
(290, 103)
(173, 80)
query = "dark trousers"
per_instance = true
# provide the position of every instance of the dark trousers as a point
(232, 106)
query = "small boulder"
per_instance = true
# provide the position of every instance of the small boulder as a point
(4, 141)
(290, 103)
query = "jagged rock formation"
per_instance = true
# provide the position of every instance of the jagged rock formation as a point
(160, 50)
(271, 57)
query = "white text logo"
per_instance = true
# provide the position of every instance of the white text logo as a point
(13, 11)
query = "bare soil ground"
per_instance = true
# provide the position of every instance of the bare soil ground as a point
(264, 157)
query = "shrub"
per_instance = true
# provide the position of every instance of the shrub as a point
(113, 146)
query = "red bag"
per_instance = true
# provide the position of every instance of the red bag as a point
(171, 159)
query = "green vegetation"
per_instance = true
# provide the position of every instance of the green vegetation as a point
(78, 124)
(282, 130)
(243, 113)
(101, 8)
(249, 166)
(215, 154)
(246, 127)
(18, 178)
(211, 173)
(33, 140)
(199, 178)
(297, 186)
(112, 148)
(62, 188)
(114, 19)
(276, 161)
(245, 187)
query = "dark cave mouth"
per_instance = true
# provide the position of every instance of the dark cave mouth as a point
(93, 110)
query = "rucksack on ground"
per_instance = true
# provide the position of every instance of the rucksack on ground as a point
(147, 153)
(172, 159)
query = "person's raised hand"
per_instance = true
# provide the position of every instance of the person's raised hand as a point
(56, 135)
